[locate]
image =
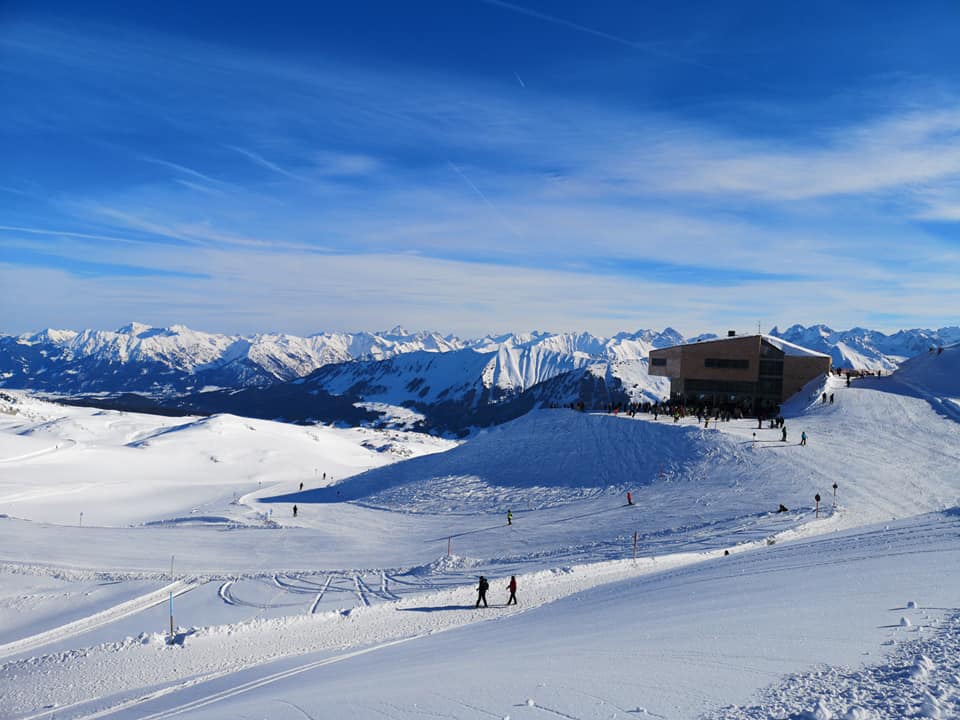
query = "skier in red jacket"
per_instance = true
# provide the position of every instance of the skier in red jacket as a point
(512, 587)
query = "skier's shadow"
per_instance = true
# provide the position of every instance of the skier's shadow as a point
(467, 532)
(589, 514)
(436, 608)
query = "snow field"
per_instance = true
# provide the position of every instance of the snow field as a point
(677, 643)
(103, 670)
(290, 620)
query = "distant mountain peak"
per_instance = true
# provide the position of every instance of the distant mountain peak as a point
(133, 328)
(177, 360)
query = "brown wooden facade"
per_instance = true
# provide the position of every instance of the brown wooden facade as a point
(751, 372)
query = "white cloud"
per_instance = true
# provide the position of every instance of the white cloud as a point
(345, 164)
(250, 291)
(895, 153)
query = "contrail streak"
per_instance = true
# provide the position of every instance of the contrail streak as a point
(646, 47)
(485, 199)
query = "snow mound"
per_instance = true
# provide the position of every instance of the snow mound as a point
(550, 457)
(922, 667)
(442, 565)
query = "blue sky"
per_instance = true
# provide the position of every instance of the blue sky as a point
(478, 166)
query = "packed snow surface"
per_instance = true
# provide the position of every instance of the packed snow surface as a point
(696, 600)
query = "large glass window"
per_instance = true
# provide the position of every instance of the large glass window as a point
(658, 361)
(719, 386)
(771, 367)
(726, 363)
(770, 386)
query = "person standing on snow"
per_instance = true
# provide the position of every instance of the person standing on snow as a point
(783, 437)
(294, 510)
(803, 438)
(482, 588)
(509, 517)
(512, 587)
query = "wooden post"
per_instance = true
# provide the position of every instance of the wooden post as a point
(817, 498)
(634, 545)
(834, 494)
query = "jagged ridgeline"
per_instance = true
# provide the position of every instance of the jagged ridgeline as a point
(444, 382)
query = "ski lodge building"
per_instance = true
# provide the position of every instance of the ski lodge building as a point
(753, 372)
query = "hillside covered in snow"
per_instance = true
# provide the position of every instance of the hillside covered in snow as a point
(698, 600)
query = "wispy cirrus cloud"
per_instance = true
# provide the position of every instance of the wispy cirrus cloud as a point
(893, 154)
(182, 169)
(264, 163)
(276, 172)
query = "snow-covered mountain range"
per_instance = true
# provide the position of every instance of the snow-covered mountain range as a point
(864, 349)
(174, 360)
(452, 382)
(140, 358)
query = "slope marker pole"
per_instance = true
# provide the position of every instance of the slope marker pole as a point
(171, 599)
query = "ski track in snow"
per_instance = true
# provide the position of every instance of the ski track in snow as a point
(224, 593)
(363, 590)
(96, 620)
(319, 597)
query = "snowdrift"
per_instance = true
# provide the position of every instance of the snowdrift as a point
(934, 374)
(545, 458)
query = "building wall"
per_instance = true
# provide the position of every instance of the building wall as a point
(673, 356)
(687, 361)
(798, 371)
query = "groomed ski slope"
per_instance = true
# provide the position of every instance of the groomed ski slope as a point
(345, 610)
